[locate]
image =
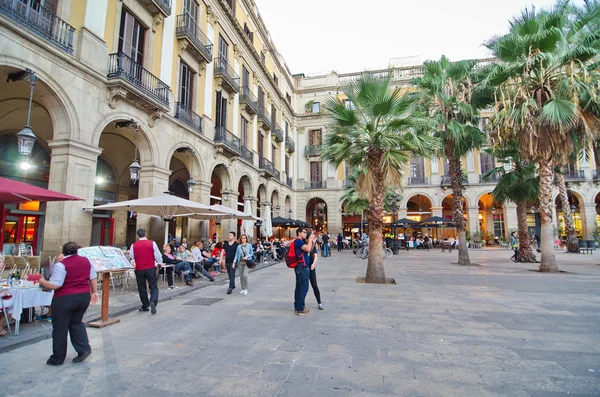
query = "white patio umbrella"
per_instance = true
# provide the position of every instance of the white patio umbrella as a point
(166, 206)
(218, 211)
(267, 225)
(248, 225)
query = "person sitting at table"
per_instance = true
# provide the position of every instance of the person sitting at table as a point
(179, 266)
(8, 305)
(187, 257)
(215, 255)
(258, 250)
(75, 286)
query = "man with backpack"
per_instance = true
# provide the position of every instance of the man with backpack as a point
(298, 259)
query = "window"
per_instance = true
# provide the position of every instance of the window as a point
(231, 4)
(287, 166)
(223, 48)
(263, 59)
(486, 161)
(273, 114)
(484, 124)
(316, 107)
(349, 105)
(288, 98)
(248, 33)
(315, 171)
(417, 168)
(245, 77)
(190, 12)
(244, 132)
(276, 80)
(261, 147)
(287, 128)
(221, 112)
(315, 137)
(186, 86)
(131, 37)
(446, 167)
(498, 225)
(261, 97)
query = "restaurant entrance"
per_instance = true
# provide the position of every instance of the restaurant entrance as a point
(19, 228)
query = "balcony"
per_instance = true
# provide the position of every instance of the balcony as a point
(229, 79)
(348, 184)
(312, 150)
(288, 181)
(596, 174)
(418, 180)
(574, 175)
(290, 145)
(156, 6)
(267, 167)
(124, 72)
(228, 142)
(40, 21)
(196, 41)
(264, 117)
(248, 99)
(247, 155)
(446, 181)
(490, 179)
(314, 185)
(188, 117)
(277, 133)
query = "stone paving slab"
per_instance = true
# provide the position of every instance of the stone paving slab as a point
(443, 330)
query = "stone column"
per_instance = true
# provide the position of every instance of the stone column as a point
(227, 225)
(510, 218)
(436, 211)
(120, 218)
(154, 181)
(588, 220)
(193, 225)
(204, 199)
(73, 172)
(473, 216)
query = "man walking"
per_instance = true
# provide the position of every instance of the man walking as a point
(302, 269)
(144, 256)
(326, 245)
(340, 242)
(228, 252)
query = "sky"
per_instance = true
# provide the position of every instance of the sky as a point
(319, 36)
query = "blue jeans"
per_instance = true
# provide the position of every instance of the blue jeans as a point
(326, 249)
(302, 277)
(183, 267)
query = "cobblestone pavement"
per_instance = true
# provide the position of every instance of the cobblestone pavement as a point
(498, 329)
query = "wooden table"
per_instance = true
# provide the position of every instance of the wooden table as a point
(104, 320)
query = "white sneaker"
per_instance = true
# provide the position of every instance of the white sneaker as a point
(245, 292)
(321, 307)
(242, 292)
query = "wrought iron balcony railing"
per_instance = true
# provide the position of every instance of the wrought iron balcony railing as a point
(418, 180)
(228, 141)
(268, 167)
(249, 99)
(188, 117)
(447, 181)
(314, 185)
(202, 46)
(312, 150)
(248, 155)
(277, 132)
(265, 118)
(490, 179)
(290, 145)
(226, 72)
(574, 175)
(162, 6)
(122, 66)
(40, 21)
(348, 183)
(288, 181)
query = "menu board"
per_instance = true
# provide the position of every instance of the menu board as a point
(105, 259)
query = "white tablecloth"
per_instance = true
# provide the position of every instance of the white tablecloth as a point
(29, 297)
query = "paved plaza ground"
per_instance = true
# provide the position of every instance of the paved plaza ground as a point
(494, 330)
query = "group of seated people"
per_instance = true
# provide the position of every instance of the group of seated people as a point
(189, 264)
(277, 248)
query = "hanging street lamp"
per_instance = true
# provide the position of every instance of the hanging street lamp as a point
(26, 138)
(191, 183)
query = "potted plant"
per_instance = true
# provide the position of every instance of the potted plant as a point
(308, 106)
(476, 238)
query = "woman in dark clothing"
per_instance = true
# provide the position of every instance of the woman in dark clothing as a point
(313, 277)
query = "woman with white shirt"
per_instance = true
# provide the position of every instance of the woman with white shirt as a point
(243, 254)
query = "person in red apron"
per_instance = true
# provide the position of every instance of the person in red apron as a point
(75, 286)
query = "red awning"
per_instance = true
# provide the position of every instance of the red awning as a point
(12, 192)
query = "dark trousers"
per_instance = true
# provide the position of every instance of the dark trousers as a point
(339, 245)
(231, 274)
(302, 276)
(313, 284)
(143, 277)
(67, 316)
(201, 267)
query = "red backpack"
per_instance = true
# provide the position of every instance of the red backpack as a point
(292, 259)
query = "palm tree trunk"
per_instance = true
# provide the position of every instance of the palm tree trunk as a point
(572, 242)
(375, 268)
(526, 255)
(458, 217)
(548, 261)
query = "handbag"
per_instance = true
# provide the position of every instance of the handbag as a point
(249, 262)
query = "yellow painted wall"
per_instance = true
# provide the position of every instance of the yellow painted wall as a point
(157, 50)
(427, 170)
(111, 23)
(476, 158)
(340, 172)
(77, 13)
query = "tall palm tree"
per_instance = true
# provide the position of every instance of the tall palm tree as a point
(544, 87)
(572, 241)
(379, 133)
(446, 89)
(519, 184)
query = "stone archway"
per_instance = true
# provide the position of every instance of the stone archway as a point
(316, 213)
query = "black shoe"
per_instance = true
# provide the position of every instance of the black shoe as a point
(229, 291)
(54, 362)
(189, 283)
(144, 309)
(212, 279)
(152, 307)
(82, 357)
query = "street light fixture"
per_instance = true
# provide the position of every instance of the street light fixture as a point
(26, 138)
(191, 183)
(290, 213)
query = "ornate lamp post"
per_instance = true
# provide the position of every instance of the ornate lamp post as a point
(26, 138)
(191, 183)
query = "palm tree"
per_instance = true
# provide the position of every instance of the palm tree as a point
(544, 87)
(572, 241)
(379, 133)
(519, 184)
(446, 89)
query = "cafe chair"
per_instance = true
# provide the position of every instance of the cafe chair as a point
(4, 311)
(34, 263)
(21, 262)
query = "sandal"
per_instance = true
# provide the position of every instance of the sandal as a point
(3, 332)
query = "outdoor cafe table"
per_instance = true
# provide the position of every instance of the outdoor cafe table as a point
(24, 298)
